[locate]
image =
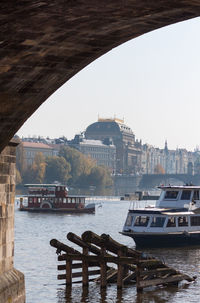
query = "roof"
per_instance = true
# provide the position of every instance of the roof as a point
(95, 143)
(180, 187)
(44, 185)
(36, 145)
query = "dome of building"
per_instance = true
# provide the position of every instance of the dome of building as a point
(110, 128)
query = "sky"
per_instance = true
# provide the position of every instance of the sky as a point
(152, 82)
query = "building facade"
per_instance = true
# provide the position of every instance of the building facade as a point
(33, 148)
(103, 153)
(128, 151)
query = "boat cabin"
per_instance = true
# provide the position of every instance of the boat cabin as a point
(174, 220)
(178, 196)
(52, 196)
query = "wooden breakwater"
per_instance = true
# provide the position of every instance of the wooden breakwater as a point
(98, 253)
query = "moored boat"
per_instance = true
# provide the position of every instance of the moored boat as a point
(53, 198)
(173, 221)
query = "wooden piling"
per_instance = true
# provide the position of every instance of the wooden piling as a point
(103, 268)
(85, 268)
(68, 272)
(132, 265)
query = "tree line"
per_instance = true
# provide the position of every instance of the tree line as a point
(70, 167)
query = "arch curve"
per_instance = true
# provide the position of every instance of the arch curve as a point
(43, 44)
(46, 204)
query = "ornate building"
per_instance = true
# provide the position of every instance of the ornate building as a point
(128, 150)
(103, 152)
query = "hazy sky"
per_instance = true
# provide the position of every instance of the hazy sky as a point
(153, 82)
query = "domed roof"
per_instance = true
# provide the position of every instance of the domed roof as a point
(114, 126)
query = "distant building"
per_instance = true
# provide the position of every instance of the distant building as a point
(128, 151)
(32, 148)
(104, 153)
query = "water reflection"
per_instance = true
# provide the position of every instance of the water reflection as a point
(111, 294)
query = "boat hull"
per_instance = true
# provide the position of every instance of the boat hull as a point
(165, 240)
(64, 211)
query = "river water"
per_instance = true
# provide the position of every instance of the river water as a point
(38, 260)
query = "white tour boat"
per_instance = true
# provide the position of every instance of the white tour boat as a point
(173, 221)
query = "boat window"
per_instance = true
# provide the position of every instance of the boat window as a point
(171, 194)
(73, 200)
(171, 222)
(186, 195)
(129, 220)
(141, 221)
(195, 221)
(182, 221)
(157, 222)
(196, 195)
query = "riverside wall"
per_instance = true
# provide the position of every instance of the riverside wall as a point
(12, 285)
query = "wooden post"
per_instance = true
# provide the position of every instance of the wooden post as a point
(138, 270)
(120, 273)
(68, 272)
(85, 268)
(103, 268)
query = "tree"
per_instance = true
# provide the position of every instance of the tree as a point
(36, 172)
(80, 164)
(20, 159)
(57, 169)
(158, 169)
(18, 177)
(100, 177)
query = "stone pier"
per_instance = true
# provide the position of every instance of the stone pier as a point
(12, 287)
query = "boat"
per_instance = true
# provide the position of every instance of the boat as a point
(174, 220)
(53, 198)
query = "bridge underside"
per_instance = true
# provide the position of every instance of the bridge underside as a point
(44, 43)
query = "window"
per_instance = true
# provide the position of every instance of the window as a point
(157, 222)
(195, 221)
(196, 195)
(182, 221)
(186, 195)
(171, 194)
(64, 200)
(129, 220)
(171, 222)
(141, 221)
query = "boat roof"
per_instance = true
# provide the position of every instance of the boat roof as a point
(179, 187)
(162, 211)
(44, 185)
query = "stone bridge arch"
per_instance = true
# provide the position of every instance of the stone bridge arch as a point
(44, 43)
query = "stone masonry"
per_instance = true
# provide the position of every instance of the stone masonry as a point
(12, 289)
(45, 43)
